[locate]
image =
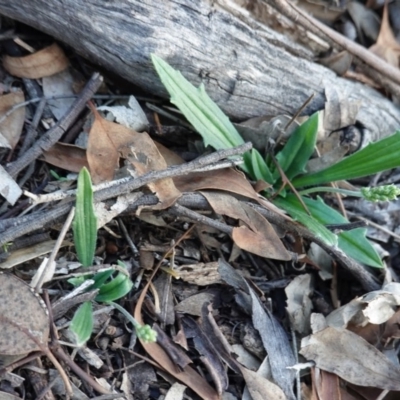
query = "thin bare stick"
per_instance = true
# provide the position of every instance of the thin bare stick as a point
(55, 133)
(51, 261)
(61, 195)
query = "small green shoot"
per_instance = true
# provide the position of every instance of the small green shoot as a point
(82, 323)
(57, 177)
(85, 237)
(85, 222)
(218, 132)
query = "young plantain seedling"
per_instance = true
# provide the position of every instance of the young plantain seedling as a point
(217, 131)
(85, 236)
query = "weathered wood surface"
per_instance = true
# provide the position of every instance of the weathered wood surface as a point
(248, 68)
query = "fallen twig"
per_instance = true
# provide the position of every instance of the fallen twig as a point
(55, 133)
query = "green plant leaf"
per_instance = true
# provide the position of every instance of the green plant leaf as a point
(117, 288)
(101, 278)
(299, 148)
(260, 168)
(198, 108)
(374, 158)
(354, 243)
(82, 323)
(85, 222)
(292, 205)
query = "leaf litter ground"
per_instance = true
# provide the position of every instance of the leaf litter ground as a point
(233, 291)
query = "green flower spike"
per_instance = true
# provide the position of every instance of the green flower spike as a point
(146, 333)
(143, 332)
(380, 193)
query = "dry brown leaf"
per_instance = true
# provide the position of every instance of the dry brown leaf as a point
(228, 180)
(325, 384)
(66, 156)
(169, 156)
(261, 388)
(45, 62)
(258, 236)
(193, 305)
(188, 375)
(145, 157)
(109, 141)
(349, 356)
(386, 46)
(11, 127)
(106, 138)
(23, 318)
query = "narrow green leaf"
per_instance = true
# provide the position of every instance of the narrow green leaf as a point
(114, 290)
(85, 222)
(198, 108)
(82, 323)
(260, 168)
(101, 278)
(299, 148)
(374, 158)
(354, 243)
(292, 205)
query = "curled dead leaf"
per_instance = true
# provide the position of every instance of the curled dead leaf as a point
(45, 62)
(349, 356)
(11, 127)
(257, 236)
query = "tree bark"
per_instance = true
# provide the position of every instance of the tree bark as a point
(247, 68)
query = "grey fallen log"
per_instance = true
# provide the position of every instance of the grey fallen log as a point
(247, 68)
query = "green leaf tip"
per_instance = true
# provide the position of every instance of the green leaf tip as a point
(84, 225)
(198, 108)
(375, 157)
(82, 323)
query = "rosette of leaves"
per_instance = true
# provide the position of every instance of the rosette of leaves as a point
(218, 132)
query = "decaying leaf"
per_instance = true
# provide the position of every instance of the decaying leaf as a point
(188, 375)
(45, 62)
(106, 139)
(131, 116)
(272, 334)
(29, 253)
(257, 235)
(145, 157)
(299, 304)
(226, 179)
(175, 392)
(386, 46)
(11, 127)
(23, 318)
(349, 356)
(261, 388)
(109, 141)
(193, 304)
(375, 307)
(66, 156)
(59, 84)
(201, 274)
(9, 189)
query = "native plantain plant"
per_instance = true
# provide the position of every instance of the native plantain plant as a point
(218, 132)
(110, 288)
